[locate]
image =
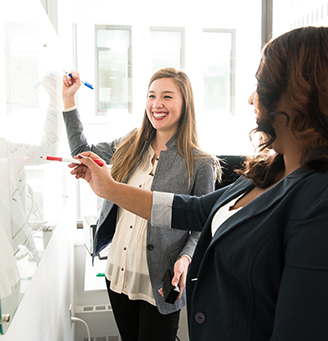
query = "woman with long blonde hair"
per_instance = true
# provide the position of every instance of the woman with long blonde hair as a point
(162, 155)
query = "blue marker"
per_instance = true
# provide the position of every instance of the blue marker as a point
(85, 83)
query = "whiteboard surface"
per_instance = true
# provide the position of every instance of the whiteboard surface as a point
(33, 192)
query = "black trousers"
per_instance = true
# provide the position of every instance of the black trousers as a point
(140, 321)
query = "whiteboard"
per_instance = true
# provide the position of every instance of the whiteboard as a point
(33, 192)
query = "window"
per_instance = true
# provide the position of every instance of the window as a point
(219, 70)
(113, 68)
(167, 47)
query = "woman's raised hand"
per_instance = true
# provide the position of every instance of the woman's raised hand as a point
(70, 87)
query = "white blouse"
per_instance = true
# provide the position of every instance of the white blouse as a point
(223, 214)
(127, 267)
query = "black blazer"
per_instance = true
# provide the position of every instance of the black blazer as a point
(264, 274)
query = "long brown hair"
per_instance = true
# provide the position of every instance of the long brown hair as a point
(128, 152)
(294, 65)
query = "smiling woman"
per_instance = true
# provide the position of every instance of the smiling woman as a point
(163, 154)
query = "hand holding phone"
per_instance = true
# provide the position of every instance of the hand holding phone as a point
(170, 292)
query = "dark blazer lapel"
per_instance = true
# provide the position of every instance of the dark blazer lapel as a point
(262, 203)
(238, 187)
(259, 205)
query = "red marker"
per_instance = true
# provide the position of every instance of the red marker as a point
(64, 159)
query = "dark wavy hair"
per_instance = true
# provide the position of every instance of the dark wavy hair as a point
(294, 65)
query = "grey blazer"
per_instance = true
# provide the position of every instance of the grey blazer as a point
(163, 246)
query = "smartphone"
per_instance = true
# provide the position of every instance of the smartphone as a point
(170, 292)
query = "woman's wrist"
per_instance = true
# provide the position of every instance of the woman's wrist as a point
(70, 108)
(69, 102)
(186, 256)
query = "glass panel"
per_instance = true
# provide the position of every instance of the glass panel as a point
(113, 80)
(113, 69)
(32, 202)
(217, 58)
(33, 193)
(166, 46)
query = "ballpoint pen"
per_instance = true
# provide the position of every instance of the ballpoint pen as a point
(63, 159)
(85, 83)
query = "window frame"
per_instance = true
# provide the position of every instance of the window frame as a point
(232, 72)
(104, 112)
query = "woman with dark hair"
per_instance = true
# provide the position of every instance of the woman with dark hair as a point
(260, 268)
(162, 155)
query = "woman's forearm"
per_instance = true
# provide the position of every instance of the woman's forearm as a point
(132, 199)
